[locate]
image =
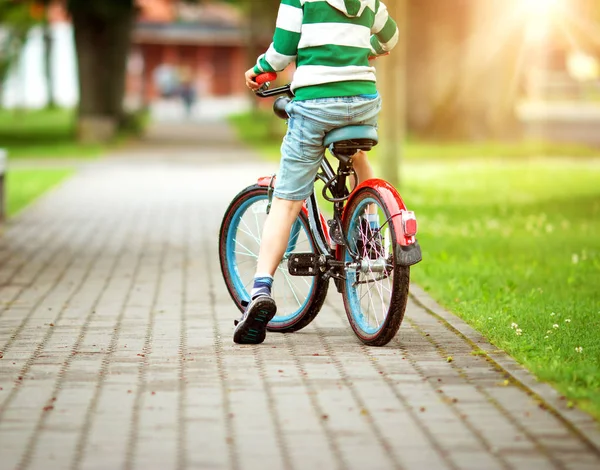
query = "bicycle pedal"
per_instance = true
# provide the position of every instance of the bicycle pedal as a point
(303, 264)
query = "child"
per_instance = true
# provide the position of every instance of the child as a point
(334, 86)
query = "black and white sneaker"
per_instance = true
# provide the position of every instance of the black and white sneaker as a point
(252, 328)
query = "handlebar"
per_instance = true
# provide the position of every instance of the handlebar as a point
(265, 79)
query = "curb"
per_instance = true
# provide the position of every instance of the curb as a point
(576, 420)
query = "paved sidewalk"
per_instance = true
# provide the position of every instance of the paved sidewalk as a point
(115, 337)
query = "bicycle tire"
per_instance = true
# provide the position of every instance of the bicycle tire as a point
(238, 284)
(398, 277)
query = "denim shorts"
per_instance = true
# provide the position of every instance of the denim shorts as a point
(302, 149)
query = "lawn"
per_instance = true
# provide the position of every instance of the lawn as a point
(42, 134)
(510, 238)
(24, 185)
(38, 134)
(513, 248)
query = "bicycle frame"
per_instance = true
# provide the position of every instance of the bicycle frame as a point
(310, 208)
(330, 242)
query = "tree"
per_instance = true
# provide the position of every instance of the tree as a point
(463, 63)
(16, 19)
(48, 46)
(391, 79)
(102, 30)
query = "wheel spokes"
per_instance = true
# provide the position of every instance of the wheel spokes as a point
(371, 287)
(290, 292)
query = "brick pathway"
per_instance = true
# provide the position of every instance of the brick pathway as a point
(115, 336)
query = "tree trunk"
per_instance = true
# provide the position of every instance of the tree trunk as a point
(102, 46)
(462, 66)
(48, 45)
(432, 52)
(391, 79)
(252, 49)
(260, 29)
(489, 83)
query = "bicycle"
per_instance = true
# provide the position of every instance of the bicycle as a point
(370, 267)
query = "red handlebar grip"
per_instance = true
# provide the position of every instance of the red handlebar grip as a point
(265, 77)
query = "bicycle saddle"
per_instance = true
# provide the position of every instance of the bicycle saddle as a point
(349, 139)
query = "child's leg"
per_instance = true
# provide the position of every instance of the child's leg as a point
(251, 329)
(276, 234)
(364, 171)
(363, 168)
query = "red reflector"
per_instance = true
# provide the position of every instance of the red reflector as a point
(409, 223)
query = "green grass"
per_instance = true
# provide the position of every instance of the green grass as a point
(262, 130)
(42, 134)
(415, 150)
(518, 243)
(509, 237)
(25, 185)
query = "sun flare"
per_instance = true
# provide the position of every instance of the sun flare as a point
(540, 7)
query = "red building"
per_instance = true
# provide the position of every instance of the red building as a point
(206, 42)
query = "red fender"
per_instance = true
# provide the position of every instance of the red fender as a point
(265, 181)
(405, 224)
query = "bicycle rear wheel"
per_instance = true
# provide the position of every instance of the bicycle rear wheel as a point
(298, 298)
(375, 291)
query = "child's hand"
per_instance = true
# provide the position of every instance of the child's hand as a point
(250, 83)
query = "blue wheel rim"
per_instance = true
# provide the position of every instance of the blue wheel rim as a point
(241, 287)
(353, 292)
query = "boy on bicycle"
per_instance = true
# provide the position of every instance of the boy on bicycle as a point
(334, 85)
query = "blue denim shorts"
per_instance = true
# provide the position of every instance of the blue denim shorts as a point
(302, 149)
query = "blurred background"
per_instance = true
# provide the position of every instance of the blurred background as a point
(473, 69)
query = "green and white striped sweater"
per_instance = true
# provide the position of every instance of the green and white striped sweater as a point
(330, 41)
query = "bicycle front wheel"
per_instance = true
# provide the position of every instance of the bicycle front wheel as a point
(375, 290)
(298, 298)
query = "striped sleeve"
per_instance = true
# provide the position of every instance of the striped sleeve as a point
(384, 30)
(284, 48)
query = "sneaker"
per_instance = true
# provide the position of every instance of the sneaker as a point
(369, 242)
(252, 328)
